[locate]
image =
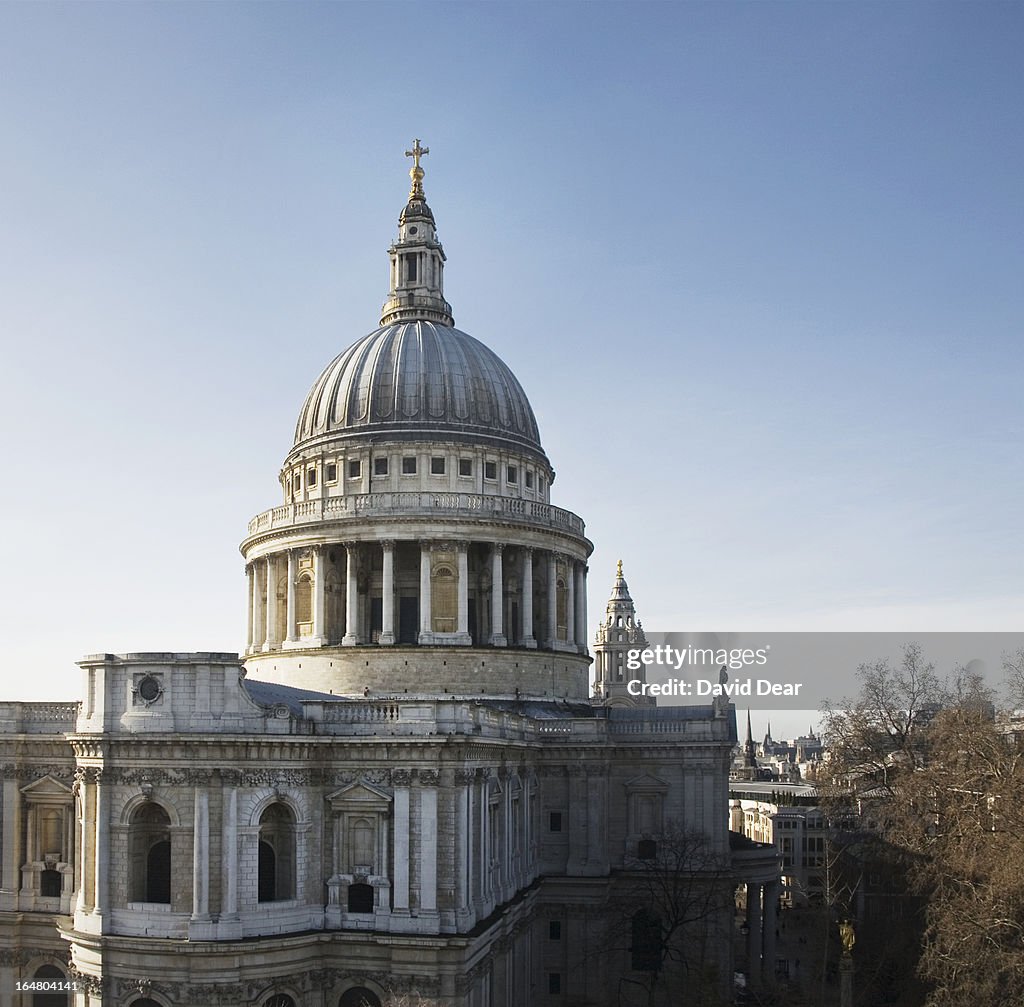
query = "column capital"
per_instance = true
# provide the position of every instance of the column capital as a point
(498, 547)
(387, 544)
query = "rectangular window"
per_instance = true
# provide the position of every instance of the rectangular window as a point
(331, 474)
(465, 466)
(297, 481)
(311, 477)
(491, 470)
(437, 466)
(512, 475)
(380, 466)
(555, 930)
(355, 469)
(555, 821)
(529, 480)
(410, 268)
(554, 982)
(409, 465)
(540, 484)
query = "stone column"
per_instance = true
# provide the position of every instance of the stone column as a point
(257, 608)
(293, 632)
(352, 635)
(229, 848)
(754, 931)
(581, 606)
(497, 638)
(102, 839)
(460, 794)
(11, 838)
(319, 576)
(387, 598)
(527, 600)
(81, 842)
(428, 841)
(270, 636)
(770, 922)
(570, 604)
(426, 615)
(552, 600)
(201, 855)
(462, 626)
(485, 834)
(251, 627)
(400, 780)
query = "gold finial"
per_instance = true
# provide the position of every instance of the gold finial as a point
(618, 569)
(416, 172)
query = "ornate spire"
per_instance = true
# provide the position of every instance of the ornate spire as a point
(417, 259)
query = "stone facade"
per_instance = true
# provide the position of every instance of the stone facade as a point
(405, 785)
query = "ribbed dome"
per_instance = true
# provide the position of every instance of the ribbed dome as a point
(419, 380)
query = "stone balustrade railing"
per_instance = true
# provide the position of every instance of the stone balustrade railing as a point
(460, 505)
(37, 718)
(455, 716)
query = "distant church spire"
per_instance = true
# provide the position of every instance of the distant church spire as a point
(417, 259)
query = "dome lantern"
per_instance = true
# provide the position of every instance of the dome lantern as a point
(417, 259)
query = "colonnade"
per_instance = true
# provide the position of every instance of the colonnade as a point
(443, 617)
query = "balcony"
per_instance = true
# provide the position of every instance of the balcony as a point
(463, 506)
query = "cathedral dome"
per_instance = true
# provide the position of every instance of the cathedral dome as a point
(419, 380)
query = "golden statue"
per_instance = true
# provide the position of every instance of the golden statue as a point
(848, 937)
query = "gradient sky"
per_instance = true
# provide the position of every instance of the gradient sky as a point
(757, 266)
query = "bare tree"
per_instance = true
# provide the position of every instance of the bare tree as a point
(665, 931)
(939, 789)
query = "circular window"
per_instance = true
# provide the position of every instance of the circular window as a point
(414, 230)
(149, 689)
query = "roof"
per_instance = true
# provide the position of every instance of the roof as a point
(416, 380)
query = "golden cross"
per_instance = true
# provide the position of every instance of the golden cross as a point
(417, 152)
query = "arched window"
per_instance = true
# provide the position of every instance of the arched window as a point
(276, 868)
(149, 845)
(360, 898)
(50, 974)
(145, 1002)
(279, 1000)
(647, 942)
(304, 598)
(444, 589)
(359, 996)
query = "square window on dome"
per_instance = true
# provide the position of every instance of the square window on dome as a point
(437, 466)
(380, 466)
(409, 465)
(465, 466)
(529, 480)
(311, 477)
(491, 470)
(355, 469)
(331, 472)
(512, 475)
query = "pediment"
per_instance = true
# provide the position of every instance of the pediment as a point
(47, 787)
(646, 782)
(359, 795)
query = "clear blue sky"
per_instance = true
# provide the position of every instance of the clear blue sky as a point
(758, 267)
